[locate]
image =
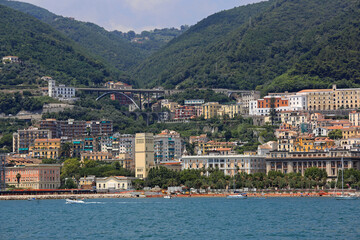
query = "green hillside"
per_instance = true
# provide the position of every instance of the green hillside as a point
(115, 48)
(276, 45)
(44, 51)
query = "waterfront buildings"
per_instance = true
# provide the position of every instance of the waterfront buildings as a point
(229, 164)
(34, 176)
(144, 154)
(298, 162)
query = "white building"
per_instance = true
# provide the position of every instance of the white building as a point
(61, 92)
(126, 144)
(10, 59)
(318, 132)
(194, 102)
(114, 183)
(297, 102)
(230, 164)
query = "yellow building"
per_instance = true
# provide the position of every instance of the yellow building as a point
(144, 154)
(211, 146)
(332, 99)
(230, 110)
(46, 148)
(308, 143)
(210, 109)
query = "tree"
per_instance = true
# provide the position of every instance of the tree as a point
(70, 184)
(336, 134)
(70, 168)
(272, 110)
(18, 177)
(65, 150)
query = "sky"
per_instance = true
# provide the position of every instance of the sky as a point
(138, 15)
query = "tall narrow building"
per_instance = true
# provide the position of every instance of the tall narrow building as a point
(144, 154)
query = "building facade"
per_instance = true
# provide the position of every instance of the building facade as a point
(61, 91)
(144, 154)
(34, 176)
(168, 146)
(23, 139)
(230, 164)
(298, 162)
(46, 148)
(210, 109)
(114, 183)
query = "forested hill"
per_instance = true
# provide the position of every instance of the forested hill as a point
(112, 49)
(272, 46)
(43, 50)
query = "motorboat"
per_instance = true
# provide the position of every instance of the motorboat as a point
(238, 196)
(168, 197)
(73, 201)
(31, 199)
(346, 197)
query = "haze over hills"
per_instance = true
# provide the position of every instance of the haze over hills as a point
(279, 44)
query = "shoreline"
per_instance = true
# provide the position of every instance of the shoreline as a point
(142, 195)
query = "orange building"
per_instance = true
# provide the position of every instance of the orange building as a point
(278, 102)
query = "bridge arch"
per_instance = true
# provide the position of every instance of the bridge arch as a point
(107, 93)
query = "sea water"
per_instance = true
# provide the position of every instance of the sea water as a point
(181, 218)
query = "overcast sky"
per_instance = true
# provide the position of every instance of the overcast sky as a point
(138, 15)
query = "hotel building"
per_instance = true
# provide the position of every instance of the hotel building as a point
(229, 164)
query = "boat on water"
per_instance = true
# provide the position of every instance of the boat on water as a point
(31, 199)
(238, 196)
(168, 197)
(73, 201)
(344, 196)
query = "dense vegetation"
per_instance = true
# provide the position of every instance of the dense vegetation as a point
(13, 103)
(314, 178)
(279, 44)
(47, 51)
(115, 48)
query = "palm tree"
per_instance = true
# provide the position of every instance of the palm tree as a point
(18, 176)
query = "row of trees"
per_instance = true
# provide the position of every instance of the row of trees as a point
(314, 178)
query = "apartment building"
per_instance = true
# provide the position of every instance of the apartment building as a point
(210, 109)
(204, 148)
(46, 148)
(71, 128)
(23, 139)
(262, 107)
(61, 91)
(230, 110)
(168, 146)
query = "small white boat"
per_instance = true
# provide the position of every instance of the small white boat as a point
(167, 197)
(31, 199)
(346, 197)
(71, 201)
(238, 196)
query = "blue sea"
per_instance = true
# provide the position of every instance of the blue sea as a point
(181, 218)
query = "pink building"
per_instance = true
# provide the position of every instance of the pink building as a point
(34, 176)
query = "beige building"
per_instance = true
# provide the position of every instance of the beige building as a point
(144, 154)
(332, 99)
(210, 109)
(230, 164)
(298, 162)
(114, 183)
(230, 110)
(23, 139)
(354, 118)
